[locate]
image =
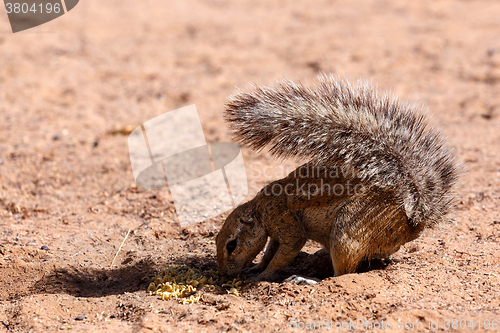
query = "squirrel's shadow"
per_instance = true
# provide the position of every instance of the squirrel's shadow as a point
(99, 282)
(319, 265)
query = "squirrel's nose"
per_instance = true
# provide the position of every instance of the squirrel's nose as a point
(221, 269)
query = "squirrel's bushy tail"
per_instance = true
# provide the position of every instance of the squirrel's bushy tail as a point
(386, 143)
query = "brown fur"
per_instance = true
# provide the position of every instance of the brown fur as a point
(354, 137)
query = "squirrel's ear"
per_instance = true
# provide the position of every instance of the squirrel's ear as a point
(247, 219)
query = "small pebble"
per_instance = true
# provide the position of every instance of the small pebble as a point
(45, 247)
(492, 50)
(31, 244)
(57, 137)
(80, 317)
(1, 161)
(112, 316)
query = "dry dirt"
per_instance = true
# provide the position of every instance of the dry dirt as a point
(66, 181)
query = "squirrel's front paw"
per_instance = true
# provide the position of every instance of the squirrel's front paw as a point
(253, 270)
(271, 277)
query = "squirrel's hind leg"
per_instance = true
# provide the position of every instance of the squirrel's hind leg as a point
(370, 225)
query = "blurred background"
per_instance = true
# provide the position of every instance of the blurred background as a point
(109, 65)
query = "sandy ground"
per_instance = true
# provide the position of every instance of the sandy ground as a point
(66, 180)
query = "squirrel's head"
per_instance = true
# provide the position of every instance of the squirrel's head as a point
(239, 241)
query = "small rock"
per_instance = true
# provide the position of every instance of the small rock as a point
(45, 247)
(1, 161)
(31, 244)
(18, 238)
(112, 316)
(492, 50)
(57, 137)
(80, 317)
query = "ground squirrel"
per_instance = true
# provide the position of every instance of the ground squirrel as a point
(377, 175)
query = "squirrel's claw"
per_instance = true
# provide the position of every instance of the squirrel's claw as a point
(252, 270)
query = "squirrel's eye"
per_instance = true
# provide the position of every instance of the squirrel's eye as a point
(231, 246)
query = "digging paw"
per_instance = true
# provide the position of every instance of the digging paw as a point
(270, 277)
(253, 270)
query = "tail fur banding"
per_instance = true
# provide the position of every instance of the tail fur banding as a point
(387, 143)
